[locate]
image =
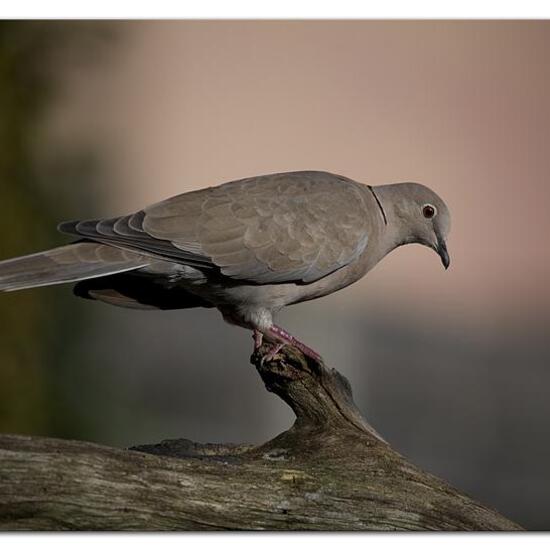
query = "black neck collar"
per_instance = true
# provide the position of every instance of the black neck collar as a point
(379, 204)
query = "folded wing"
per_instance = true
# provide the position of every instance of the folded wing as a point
(291, 227)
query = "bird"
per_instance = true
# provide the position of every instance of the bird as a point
(248, 247)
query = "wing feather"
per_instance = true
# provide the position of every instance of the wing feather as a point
(296, 226)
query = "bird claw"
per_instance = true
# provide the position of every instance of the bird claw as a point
(282, 338)
(270, 355)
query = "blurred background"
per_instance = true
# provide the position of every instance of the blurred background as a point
(452, 368)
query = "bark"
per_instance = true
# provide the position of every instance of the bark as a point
(329, 471)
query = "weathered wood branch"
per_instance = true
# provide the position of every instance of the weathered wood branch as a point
(329, 471)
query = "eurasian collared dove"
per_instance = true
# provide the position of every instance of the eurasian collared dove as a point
(248, 247)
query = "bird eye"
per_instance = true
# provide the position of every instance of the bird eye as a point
(429, 211)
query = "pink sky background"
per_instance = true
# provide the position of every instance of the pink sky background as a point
(462, 107)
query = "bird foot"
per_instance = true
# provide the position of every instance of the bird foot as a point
(270, 355)
(258, 339)
(282, 338)
(275, 348)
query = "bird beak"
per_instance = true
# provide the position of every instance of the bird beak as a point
(441, 249)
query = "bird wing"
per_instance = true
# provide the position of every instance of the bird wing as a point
(289, 227)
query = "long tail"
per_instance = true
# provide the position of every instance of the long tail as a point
(66, 264)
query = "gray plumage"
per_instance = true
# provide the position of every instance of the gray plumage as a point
(247, 247)
(66, 264)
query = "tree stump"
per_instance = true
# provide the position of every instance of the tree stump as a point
(329, 471)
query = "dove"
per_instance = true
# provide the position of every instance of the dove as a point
(248, 247)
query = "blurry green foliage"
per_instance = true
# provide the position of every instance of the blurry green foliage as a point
(32, 54)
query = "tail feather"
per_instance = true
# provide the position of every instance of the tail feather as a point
(66, 264)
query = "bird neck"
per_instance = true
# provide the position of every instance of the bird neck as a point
(393, 233)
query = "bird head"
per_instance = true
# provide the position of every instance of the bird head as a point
(421, 217)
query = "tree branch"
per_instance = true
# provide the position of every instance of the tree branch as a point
(329, 471)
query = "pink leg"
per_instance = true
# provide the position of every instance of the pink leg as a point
(281, 335)
(258, 339)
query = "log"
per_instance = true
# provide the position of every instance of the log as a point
(329, 471)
